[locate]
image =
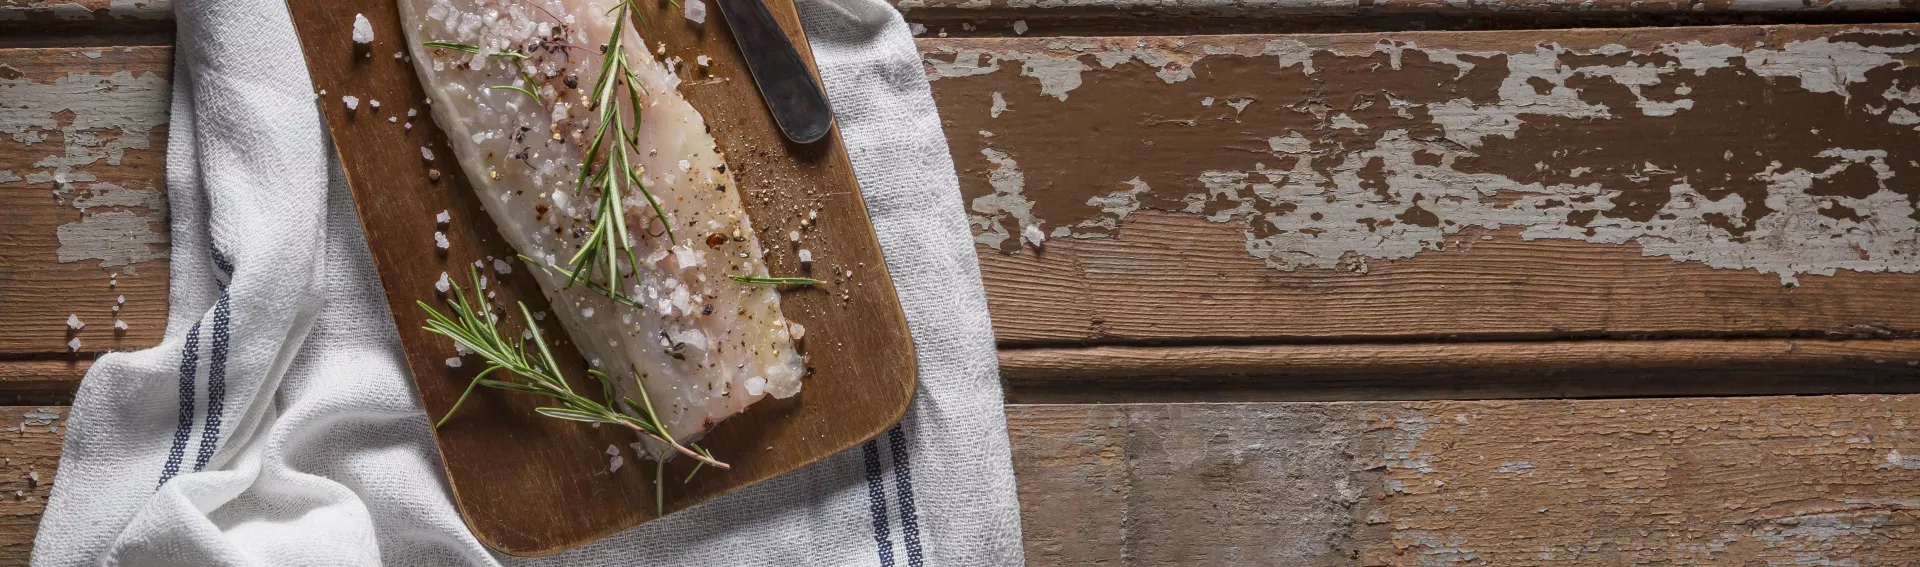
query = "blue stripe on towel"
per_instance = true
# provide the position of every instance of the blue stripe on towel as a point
(877, 504)
(903, 483)
(189, 365)
(216, 383)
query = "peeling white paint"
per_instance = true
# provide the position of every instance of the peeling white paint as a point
(116, 238)
(1008, 201)
(1311, 219)
(999, 105)
(97, 119)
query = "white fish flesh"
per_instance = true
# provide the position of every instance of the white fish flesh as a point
(705, 346)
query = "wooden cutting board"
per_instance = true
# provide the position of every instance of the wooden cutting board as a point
(531, 485)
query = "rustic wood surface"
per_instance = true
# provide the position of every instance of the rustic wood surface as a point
(862, 365)
(82, 147)
(1606, 183)
(1830, 480)
(1784, 480)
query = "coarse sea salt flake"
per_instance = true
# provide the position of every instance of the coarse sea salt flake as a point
(806, 256)
(685, 165)
(74, 345)
(120, 325)
(440, 240)
(442, 218)
(1019, 27)
(74, 322)
(362, 29)
(501, 266)
(703, 60)
(1034, 236)
(444, 284)
(756, 386)
(426, 154)
(373, 103)
(353, 102)
(697, 11)
(613, 450)
(453, 362)
(412, 112)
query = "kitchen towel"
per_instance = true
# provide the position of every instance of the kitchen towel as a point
(275, 423)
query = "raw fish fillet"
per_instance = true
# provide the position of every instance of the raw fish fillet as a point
(705, 346)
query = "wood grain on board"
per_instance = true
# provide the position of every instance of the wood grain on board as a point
(82, 200)
(1599, 183)
(1729, 481)
(858, 349)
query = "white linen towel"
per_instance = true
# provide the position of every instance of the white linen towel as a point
(276, 425)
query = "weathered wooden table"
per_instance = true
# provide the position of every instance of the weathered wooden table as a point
(1326, 290)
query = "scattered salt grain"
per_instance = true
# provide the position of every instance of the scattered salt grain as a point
(440, 240)
(502, 267)
(432, 174)
(703, 60)
(353, 102)
(73, 322)
(391, 120)
(373, 103)
(362, 30)
(412, 113)
(442, 218)
(453, 362)
(33, 476)
(613, 450)
(917, 29)
(396, 55)
(119, 325)
(408, 126)
(588, 312)
(444, 284)
(1034, 236)
(697, 11)
(121, 300)
(793, 236)
(806, 256)
(426, 154)
(74, 345)
(685, 165)
(756, 386)
(1019, 27)
(796, 330)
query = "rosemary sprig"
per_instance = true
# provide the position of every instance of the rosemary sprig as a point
(615, 174)
(475, 328)
(775, 280)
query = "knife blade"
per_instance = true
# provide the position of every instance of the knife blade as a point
(798, 104)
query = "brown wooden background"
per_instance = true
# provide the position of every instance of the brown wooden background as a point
(1493, 399)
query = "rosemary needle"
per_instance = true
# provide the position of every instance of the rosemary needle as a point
(775, 280)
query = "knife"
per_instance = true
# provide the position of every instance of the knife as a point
(798, 104)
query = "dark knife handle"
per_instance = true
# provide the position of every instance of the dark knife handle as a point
(799, 105)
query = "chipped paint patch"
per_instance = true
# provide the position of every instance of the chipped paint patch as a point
(1395, 166)
(78, 122)
(116, 238)
(1895, 459)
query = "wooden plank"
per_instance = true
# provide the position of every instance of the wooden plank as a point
(82, 138)
(1612, 183)
(1419, 371)
(29, 455)
(1729, 481)
(1009, 18)
(1802, 481)
(71, 16)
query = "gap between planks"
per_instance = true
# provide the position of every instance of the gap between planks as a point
(1459, 371)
